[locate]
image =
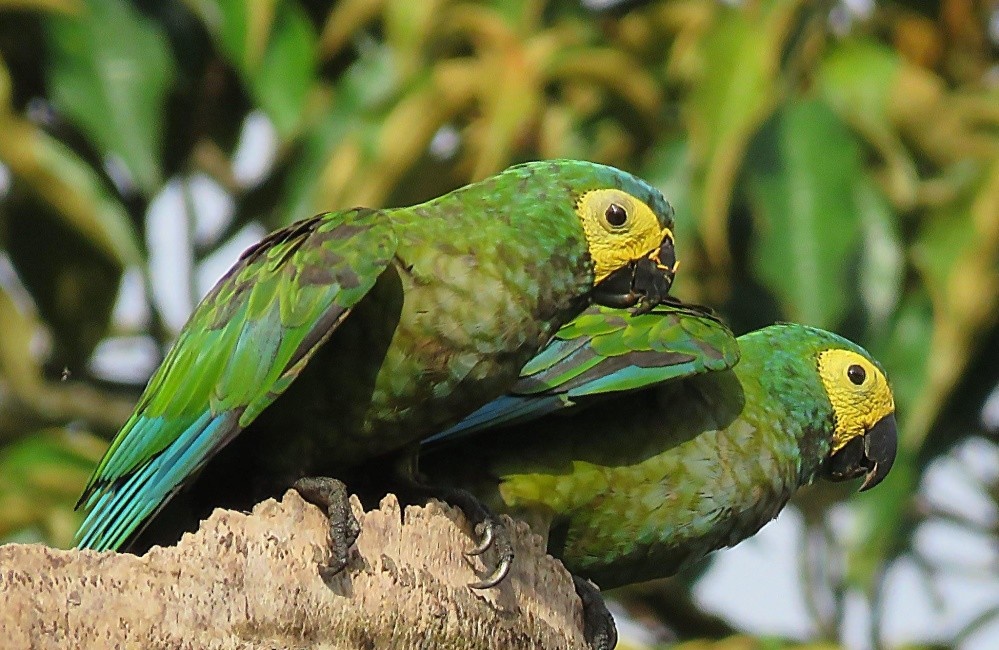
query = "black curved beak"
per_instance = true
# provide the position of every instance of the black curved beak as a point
(880, 447)
(645, 282)
(871, 454)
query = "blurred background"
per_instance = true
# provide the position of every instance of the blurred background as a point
(834, 163)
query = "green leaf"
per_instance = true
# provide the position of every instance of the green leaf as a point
(99, 216)
(670, 170)
(882, 260)
(857, 78)
(56, 175)
(365, 93)
(957, 254)
(927, 351)
(272, 45)
(740, 58)
(62, 6)
(18, 367)
(806, 164)
(110, 69)
(41, 476)
(71, 281)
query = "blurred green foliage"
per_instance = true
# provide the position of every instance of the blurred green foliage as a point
(830, 163)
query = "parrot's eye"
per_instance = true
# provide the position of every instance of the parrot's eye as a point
(615, 215)
(856, 374)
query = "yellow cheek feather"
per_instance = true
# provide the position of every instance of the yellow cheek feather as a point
(613, 247)
(856, 408)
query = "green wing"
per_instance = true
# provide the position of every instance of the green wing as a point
(243, 346)
(606, 350)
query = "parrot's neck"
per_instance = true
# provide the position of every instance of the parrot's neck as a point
(788, 376)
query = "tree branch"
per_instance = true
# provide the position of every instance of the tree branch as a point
(251, 581)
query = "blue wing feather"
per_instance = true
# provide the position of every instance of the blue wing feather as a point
(115, 515)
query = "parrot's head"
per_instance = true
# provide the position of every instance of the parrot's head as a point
(628, 227)
(865, 438)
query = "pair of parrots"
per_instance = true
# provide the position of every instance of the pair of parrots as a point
(515, 336)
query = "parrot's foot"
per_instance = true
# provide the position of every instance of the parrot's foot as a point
(331, 496)
(491, 532)
(598, 624)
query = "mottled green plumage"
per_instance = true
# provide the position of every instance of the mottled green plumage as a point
(636, 487)
(356, 333)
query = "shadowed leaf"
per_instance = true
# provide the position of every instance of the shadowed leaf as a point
(110, 70)
(806, 166)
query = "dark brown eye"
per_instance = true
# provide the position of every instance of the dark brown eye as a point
(857, 374)
(616, 215)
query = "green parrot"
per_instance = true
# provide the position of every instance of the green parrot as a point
(637, 487)
(356, 334)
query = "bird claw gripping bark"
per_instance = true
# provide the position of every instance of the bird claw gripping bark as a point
(493, 534)
(331, 496)
(491, 531)
(598, 624)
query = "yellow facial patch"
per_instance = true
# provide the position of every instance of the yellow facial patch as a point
(858, 391)
(619, 229)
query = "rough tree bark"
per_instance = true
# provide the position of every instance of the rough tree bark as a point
(251, 581)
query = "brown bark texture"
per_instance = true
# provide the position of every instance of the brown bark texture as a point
(251, 581)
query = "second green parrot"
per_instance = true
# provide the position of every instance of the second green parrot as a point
(636, 487)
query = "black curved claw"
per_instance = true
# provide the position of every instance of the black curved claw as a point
(598, 624)
(494, 534)
(331, 496)
(494, 578)
(488, 534)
